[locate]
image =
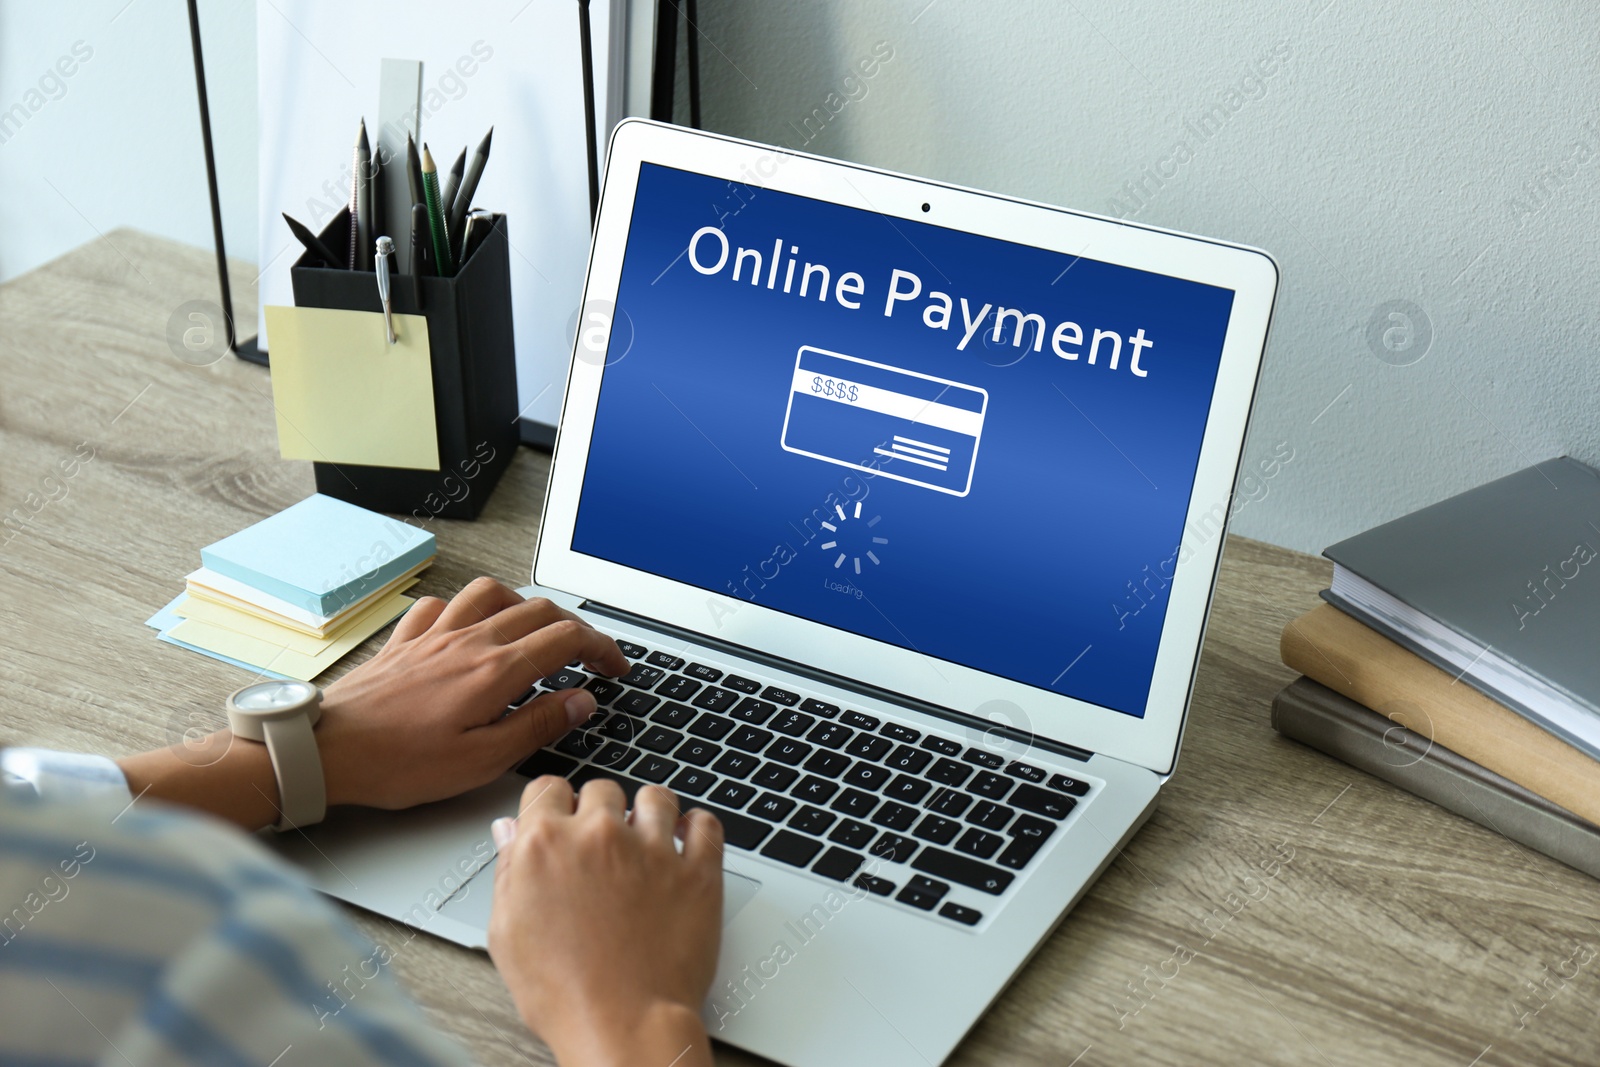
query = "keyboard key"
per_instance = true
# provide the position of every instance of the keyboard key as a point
(631, 650)
(716, 699)
(828, 764)
(867, 775)
(621, 728)
(908, 759)
(895, 816)
(922, 892)
(855, 802)
(772, 806)
(775, 776)
(604, 690)
(741, 685)
(814, 789)
(787, 750)
(750, 738)
(989, 815)
(754, 711)
(531, 692)
(906, 789)
(893, 847)
(735, 764)
(949, 802)
(731, 794)
(983, 759)
(566, 679)
(791, 722)
(692, 781)
(991, 785)
(635, 702)
(1028, 837)
(859, 721)
(852, 834)
(1027, 771)
(698, 752)
(701, 672)
(830, 734)
(546, 762)
(1068, 785)
(949, 771)
(580, 744)
(964, 871)
(655, 769)
(643, 677)
(674, 715)
(960, 913)
(740, 831)
(809, 820)
(659, 739)
(838, 864)
(942, 745)
(677, 687)
(780, 696)
(664, 660)
(895, 731)
(789, 847)
(820, 708)
(1043, 801)
(938, 829)
(979, 843)
(712, 727)
(880, 886)
(868, 747)
(615, 756)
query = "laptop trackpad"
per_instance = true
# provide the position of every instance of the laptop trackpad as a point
(470, 904)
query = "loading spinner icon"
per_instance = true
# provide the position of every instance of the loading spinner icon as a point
(853, 539)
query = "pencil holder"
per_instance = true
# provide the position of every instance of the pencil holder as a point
(474, 375)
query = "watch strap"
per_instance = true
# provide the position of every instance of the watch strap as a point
(302, 792)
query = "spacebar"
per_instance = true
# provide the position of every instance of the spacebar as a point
(738, 830)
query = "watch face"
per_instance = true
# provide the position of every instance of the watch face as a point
(270, 696)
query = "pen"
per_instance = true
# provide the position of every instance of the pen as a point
(441, 237)
(477, 228)
(469, 187)
(419, 226)
(385, 248)
(361, 202)
(313, 243)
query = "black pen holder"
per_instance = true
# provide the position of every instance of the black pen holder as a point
(474, 375)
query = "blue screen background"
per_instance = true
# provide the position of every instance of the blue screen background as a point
(1082, 477)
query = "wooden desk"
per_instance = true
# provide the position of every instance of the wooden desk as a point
(1396, 933)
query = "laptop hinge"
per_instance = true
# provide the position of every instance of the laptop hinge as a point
(986, 727)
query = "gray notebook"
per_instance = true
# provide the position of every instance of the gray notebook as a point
(1317, 716)
(1500, 586)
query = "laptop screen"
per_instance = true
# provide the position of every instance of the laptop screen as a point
(974, 449)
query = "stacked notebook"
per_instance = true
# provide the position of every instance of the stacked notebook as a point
(1456, 657)
(293, 594)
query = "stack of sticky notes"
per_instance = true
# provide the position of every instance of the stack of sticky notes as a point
(291, 595)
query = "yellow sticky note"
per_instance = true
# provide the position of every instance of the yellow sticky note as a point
(344, 394)
(362, 625)
(270, 655)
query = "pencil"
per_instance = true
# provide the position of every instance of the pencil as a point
(441, 238)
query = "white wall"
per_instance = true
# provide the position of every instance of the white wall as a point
(1423, 152)
(117, 143)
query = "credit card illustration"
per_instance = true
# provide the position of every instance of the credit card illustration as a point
(885, 420)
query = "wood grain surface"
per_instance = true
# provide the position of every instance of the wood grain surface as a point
(1278, 908)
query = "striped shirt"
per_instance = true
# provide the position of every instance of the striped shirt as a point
(139, 935)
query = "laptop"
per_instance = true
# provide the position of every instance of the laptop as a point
(905, 502)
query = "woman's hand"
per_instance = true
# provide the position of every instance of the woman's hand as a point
(604, 932)
(422, 720)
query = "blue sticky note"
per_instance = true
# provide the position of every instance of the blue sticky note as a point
(321, 554)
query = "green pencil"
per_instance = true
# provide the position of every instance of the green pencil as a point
(430, 192)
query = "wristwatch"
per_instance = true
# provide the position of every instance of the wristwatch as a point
(282, 713)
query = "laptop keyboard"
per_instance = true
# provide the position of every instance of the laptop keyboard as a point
(848, 796)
